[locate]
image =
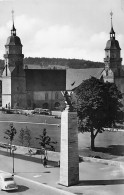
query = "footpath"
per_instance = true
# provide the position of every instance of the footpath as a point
(96, 176)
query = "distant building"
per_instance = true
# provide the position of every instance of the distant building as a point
(29, 86)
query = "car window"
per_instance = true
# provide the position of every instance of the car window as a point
(8, 179)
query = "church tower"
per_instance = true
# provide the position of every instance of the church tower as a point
(13, 77)
(112, 58)
(113, 71)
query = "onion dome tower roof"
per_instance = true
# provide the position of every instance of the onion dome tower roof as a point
(112, 43)
(13, 39)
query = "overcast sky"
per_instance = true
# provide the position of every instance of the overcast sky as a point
(62, 28)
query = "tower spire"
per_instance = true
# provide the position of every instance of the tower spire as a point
(13, 30)
(13, 16)
(112, 32)
(111, 14)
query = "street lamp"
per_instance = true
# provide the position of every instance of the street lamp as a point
(13, 149)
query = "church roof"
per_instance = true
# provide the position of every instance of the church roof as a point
(112, 44)
(13, 40)
(74, 77)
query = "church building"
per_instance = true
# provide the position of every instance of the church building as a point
(27, 86)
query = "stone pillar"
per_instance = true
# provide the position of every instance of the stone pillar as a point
(69, 158)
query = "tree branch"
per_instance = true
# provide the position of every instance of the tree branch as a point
(96, 133)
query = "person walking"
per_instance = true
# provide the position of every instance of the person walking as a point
(45, 162)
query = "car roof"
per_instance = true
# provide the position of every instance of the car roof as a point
(5, 175)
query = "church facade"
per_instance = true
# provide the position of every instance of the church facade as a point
(28, 86)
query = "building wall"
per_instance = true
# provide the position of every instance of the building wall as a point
(45, 80)
(6, 91)
(120, 85)
(44, 88)
(18, 87)
(6, 87)
(52, 100)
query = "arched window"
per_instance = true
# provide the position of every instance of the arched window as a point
(46, 96)
(45, 106)
(56, 105)
(56, 95)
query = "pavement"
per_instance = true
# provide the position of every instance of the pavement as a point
(96, 176)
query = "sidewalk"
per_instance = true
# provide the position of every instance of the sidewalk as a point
(96, 178)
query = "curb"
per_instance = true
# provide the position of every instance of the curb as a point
(103, 161)
(44, 185)
(57, 155)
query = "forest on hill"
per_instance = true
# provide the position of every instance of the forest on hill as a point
(70, 63)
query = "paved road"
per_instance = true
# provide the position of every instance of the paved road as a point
(31, 177)
(31, 188)
(32, 123)
(95, 178)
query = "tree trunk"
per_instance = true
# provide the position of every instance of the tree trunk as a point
(92, 140)
(10, 147)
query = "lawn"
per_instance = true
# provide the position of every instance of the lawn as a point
(109, 145)
(36, 129)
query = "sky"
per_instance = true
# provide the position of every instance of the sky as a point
(62, 28)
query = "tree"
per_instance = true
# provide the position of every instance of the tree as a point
(98, 106)
(46, 142)
(22, 136)
(27, 136)
(10, 133)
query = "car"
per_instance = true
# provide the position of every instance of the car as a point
(37, 111)
(7, 182)
(46, 112)
(41, 111)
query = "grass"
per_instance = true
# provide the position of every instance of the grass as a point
(36, 129)
(109, 145)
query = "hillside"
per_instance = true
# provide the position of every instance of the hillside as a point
(71, 63)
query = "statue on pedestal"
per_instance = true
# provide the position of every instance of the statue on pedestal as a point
(68, 101)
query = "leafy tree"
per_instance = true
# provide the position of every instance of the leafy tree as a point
(46, 142)
(10, 133)
(27, 136)
(22, 136)
(98, 106)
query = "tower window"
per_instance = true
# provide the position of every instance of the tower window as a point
(6, 70)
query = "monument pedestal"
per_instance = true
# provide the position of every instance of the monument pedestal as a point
(69, 158)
